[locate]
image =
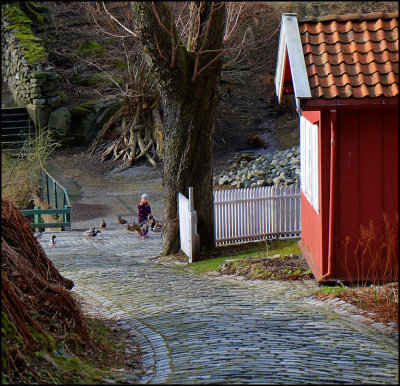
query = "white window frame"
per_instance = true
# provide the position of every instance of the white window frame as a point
(309, 181)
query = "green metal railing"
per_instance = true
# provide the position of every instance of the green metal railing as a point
(56, 196)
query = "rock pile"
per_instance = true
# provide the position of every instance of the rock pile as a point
(249, 171)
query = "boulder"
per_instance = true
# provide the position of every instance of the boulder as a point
(54, 101)
(60, 120)
(276, 181)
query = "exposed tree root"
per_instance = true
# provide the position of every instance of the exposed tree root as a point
(135, 131)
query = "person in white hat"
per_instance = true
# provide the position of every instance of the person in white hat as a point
(144, 211)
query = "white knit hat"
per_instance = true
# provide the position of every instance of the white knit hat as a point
(145, 196)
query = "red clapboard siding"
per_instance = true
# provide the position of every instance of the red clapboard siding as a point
(371, 168)
(311, 221)
(391, 162)
(311, 233)
(367, 186)
(324, 173)
(368, 181)
(348, 197)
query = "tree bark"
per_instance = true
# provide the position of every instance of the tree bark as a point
(189, 106)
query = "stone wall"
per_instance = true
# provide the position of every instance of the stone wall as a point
(33, 83)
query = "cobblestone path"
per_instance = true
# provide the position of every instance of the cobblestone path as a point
(203, 329)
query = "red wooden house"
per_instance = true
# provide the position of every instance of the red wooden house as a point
(343, 72)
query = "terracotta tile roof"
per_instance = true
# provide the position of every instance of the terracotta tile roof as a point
(351, 55)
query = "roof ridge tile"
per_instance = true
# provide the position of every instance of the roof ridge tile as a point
(343, 27)
(349, 17)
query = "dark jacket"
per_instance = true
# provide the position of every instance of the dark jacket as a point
(143, 212)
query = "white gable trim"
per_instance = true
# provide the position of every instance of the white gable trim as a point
(289, 39)
(280, 64)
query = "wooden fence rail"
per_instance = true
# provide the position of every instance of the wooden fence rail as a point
(256, 213)
(52, 191)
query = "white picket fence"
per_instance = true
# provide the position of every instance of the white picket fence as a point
(255, 213)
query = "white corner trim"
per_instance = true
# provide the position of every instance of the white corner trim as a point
(280, 64)
(296, 56)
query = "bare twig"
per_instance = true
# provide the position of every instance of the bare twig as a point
(118, 22)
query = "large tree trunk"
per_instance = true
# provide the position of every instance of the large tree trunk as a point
(189, 106)
(189, 162)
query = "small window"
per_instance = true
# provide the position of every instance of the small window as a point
(309, 161)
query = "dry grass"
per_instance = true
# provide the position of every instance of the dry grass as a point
(376, 288)
(17, 184)
(380, 303)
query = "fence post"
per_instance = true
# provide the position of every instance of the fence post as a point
(194, 237)
(55, 194)
(47, 189)
(67, 216)
(36, 218)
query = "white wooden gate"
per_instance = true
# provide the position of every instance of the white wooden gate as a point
(190, 240)
(255, 213)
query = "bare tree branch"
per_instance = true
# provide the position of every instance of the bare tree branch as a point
(119, 23)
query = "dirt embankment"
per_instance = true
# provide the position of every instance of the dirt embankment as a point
(247, 110)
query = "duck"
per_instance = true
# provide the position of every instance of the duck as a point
(103, 225)
(155, 225)
(92, 232)
(52, 241)
(121, 220)
(38, 235)
(134, 227)
(153, 221)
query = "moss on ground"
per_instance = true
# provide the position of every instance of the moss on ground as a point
(242, 254)
(91, 48)
(102, 79)
(65, 360)
(119, 64)
(88, 105)
(34, 11)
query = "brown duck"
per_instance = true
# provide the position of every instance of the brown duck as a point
(134, 227)
(121, 220)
